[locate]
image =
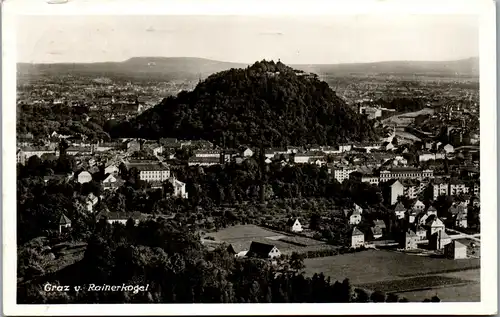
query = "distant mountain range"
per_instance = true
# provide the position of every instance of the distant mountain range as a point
(171, 68)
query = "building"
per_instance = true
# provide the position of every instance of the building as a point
(79, 150)
(365, 175)
(294, 225)
(342, 173)
(439, 188)
(432, 211)
(421, 233)
(204, 161)
(153, 172)
(412, 215)
(378, 229)
(405, 173)
(64, 223)
(84, 177)
(457, 187)
(247, 152)
(179, 188)
(358, 208)
(107, 146)
(263, 251)
(448, 148)
(394, 190)
(410, 241)
(355, 218)
(435, 225)
(357, 238)
(439, 240)
(302, 158)
(455, 250)
(371, 112)
(208, 153)
(121, 217)
(111, 169)
(91, 201)
(461, 220)
(110, 182)
(418, 206)
(399, 211)
(345, 147)
(133, 146)
(24, 153)
(426, 156)
(237, 250)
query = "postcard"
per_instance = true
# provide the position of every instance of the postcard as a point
(312, 157)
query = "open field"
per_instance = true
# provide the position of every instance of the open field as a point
(401, 273)
(459, 293)
(242, 236)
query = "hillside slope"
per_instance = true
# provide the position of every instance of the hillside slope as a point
(267, 103)
(182, 68)
(149, 68)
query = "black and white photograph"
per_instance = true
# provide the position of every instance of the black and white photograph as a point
(250, 159)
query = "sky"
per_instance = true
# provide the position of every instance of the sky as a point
(294, 40)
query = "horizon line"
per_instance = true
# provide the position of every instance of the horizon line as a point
(245, 63)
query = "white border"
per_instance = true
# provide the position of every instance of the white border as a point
(486, 14)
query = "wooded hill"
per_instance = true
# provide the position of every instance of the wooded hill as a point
(266, 104)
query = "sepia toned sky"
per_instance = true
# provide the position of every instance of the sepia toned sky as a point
(297, 40)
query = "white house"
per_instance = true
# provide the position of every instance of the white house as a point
(247, 152)
(396, 189)
(263, 251)
(64, 223)
(436, 225)
(294, 225)
(91, 201)
(179, 188)
(455, 250)
(400, 211)
(84, 177)
(448, 148)
(355, 218)
(111, 169)
(358, 209)
(418, 206)
(301, 158)
(357, 238)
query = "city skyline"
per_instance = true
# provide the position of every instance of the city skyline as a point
(321, 40)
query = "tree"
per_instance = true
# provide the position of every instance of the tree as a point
(315, 221)
(361, 296)
(377, 297)
(297, 261)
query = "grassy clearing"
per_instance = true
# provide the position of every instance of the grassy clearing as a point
(242, 236)
(413, 284)
(373, 266)
(456, 293)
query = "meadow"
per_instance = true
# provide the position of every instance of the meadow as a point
(411, 276)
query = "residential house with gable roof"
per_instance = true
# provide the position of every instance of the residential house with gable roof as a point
(263, 251)
(410, 240)
(399, 211)
(64, 223)
(357, 238)
(294, 225)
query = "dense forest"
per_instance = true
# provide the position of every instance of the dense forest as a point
(172, 263)
(43, 119)
(266, 104)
